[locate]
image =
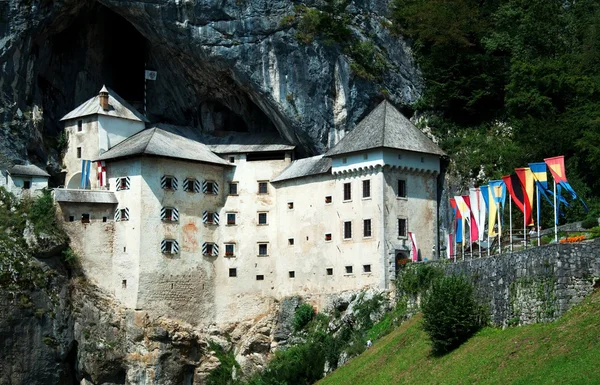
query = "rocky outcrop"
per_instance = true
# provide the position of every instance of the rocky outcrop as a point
(228, 65)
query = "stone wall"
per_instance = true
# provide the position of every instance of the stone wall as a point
(534, 285)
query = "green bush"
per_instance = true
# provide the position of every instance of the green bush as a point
(588, 223)
(417, 278)
(304, 314)
(223, 373)
(42, 214)
(451, 313)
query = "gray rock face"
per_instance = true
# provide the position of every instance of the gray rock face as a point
(221, 65)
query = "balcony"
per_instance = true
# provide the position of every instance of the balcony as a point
(85, 196)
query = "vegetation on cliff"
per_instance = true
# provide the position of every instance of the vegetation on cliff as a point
(565, 350)
(510, 82)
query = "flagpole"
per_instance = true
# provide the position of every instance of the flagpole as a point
(510, 222)
(525, 222)
(145, 90)
(555, 216)
(537, 196)
(499, 231)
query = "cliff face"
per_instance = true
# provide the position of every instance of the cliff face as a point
(235, 64)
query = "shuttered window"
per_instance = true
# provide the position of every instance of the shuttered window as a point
(168, 182)
(210, 218)
(169, 214)
(122, 214)
(210, 249)
(169, 246)
(191, 185)
(210, 187)
(123, 183)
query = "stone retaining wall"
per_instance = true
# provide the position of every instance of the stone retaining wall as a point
(534, 285)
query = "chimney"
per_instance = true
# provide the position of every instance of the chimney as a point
(104, 98)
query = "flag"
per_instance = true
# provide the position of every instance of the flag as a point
(474, 200)
(463, 207)
(557, 168)
(83, 163)
(526, 178)
(414, 250)
(150, 75)
(540, 177)
(497, 199)
(458, 219)
(473, 232)
(101, 173)
(482, 195)
(450, 246)
(492, 212)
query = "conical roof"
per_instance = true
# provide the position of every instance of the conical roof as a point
(385, 127)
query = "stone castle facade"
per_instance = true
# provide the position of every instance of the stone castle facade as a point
(214, 227)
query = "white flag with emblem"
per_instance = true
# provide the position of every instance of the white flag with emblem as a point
(151, 75)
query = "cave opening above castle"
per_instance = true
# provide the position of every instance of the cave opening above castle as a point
(213, 226)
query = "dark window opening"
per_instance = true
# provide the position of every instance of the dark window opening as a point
(124, 216)
(329, 271)
(274, 155)
(292, 274)
(104, 219)
(260, 277)
(347, 191)
(401, 188)
(85, 218)
(367, 228)
(328, 199)
(230, 249)
(291, 241)
(262, 249)
(366, 188)
(348, 269)
(233, 188)
(71, 218)
(347, 230)
(124, 284)
(78, 152)
(231, 218)
(328, 237)
(262, 218)
(232, 159)
(209, 249)
(367, 268)
(168, 183)
(26, 184)
(263, 187)
(79, 125)
(290, 205)
(233, 272)
(210, 188)
(402, 227)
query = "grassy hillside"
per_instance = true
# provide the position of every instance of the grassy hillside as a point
(563, 352)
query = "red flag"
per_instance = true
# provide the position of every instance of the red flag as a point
(414, 250)
(526, 180)
(455, 207)
(515, 189)
(472, 223)
(557, 168)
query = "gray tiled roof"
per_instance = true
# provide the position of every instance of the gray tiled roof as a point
(305, 167)
(158, 142)
(28, 170)
(118, 108)
(84, 196)
(385, 126)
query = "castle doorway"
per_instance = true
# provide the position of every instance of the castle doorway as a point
(401, 260)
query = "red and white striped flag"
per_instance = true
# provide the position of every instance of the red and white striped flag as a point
(414, 250)
(101, 173)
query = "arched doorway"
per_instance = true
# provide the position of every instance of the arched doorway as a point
(75, 181)
(401, 260)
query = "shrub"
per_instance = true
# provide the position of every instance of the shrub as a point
(301, 365)
(304, 314)
(451, 314)
(588, 223)
(417, 278)
(42, 214)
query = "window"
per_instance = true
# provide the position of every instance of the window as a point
(367, 228)
(365, 156)
(290, 205)
(233, 188)
(347, 230)
(85, 218)
(231, 219)
(191, 185)
(292, 274)
(123, 183)
(71, 218)
(348, 269)
(169, 214)
(230, 249)
(232, 159)
(263, 187)
(328, 237)
(210, 249)
(422, 160)
(347, 191)
(78, 152)
(344, 160)
(169, 246)
(168, 182)
(366, 268)
(328, 199)
(79, 125)
(233, 272)
(401, 188)
(124, 284)
(291, 241)
(399, 156)
(210, 187)
(104, 219)
(124, 214)
(260, 277)
(262, 218)
(330, 271)
(366, 188)
(26, 184)
(262, 249)
(210, 218)
(401, 227)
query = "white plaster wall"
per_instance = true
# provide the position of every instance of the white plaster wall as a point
(15, 183)
(385, 156)
(112, 131)
(87, 139)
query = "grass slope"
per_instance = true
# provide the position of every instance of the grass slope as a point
(566, 351)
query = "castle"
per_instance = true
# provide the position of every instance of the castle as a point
(213, 227)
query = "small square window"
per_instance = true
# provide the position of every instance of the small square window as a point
(233, 272)
(210, 188)
(262, 218)
(209, 249)
(26, 184)
(366, 268)
(366, 184)
(292, 274)
(168, 247)
(85, 218)
(78, 152)
(330, 271)
(328, 237)
(348, 269)
(263, 187)
(263, 249)
(229, 249)
(210, 218)
(347, 230)
(402, 227)
(344, 160)
(168, 185)
(188, 185)
(347, 191)
(79, 125)
(104, 219)
(124, 215)
(291, 241)
(71, 218)
(233, 188)
(401, 188)
(232, 159)
(328, 199)
(367, 231)
(290, 205)
(260, 277)
(123, 184)
(231, 218)
(168, 215)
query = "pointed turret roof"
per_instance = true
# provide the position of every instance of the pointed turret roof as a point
(385, 127)
(118, 108)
